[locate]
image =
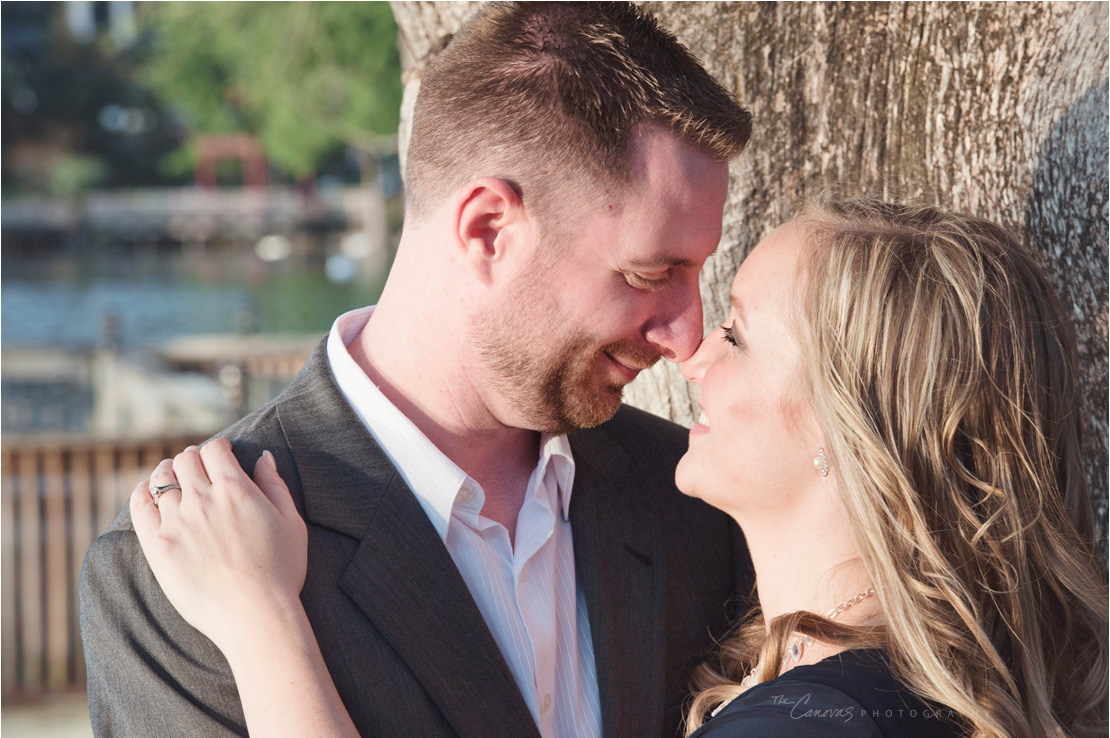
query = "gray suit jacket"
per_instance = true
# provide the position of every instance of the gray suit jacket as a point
(406, 645)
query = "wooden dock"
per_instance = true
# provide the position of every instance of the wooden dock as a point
(58, 493)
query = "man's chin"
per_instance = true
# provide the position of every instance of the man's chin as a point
(594, 398)
(589, 412)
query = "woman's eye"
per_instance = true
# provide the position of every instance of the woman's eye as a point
(729, 336)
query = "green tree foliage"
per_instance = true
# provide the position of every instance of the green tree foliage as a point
(57, 93)
(305, 78)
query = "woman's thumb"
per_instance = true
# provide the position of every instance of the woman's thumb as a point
(270, 482)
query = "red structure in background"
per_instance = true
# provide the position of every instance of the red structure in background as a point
(241, 146)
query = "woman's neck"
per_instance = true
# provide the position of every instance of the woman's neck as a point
(806, 560)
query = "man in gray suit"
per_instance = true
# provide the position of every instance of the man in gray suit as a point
(496, 546)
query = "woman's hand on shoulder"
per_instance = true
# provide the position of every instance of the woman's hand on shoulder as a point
(229, 553)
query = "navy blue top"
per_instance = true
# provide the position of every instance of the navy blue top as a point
(849, 695)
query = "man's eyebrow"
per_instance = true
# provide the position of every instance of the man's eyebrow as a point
(738, 307)
(660, 262)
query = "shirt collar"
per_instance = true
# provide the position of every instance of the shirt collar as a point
(555, 453)
(434, 479)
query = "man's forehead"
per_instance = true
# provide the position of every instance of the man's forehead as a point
(657, 152)
(667, 245)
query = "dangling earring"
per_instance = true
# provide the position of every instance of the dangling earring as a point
(821, 463)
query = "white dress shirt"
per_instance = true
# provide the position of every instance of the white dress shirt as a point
(527, 593)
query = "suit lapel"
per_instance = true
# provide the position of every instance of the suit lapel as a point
(619, 561)
(405, 581)
(401, 577)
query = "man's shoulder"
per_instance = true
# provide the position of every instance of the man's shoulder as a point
(633, 420)
(304, 394)
(249, 436)
(263, 423)
(636, 450)
(641, 434)
(145, 663)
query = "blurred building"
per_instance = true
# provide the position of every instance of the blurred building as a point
(144, 306)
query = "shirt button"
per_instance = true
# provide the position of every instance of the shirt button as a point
(546, 703)
(465, 495)
(523, 577)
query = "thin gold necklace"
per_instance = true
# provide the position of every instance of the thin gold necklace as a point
(798, 646)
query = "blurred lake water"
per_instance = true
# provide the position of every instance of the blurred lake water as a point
(73, 315)
(53, 330)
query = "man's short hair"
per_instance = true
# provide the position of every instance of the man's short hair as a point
(547, 95)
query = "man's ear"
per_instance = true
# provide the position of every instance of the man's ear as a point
(490, 220)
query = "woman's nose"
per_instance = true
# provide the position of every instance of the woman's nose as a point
(694, 367)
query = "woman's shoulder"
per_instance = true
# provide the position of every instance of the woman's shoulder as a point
(850, 694)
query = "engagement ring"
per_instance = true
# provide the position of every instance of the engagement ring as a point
(157, 491)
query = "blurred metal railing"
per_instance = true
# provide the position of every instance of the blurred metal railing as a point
(58, 494)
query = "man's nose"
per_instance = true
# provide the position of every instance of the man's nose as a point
(676, 328)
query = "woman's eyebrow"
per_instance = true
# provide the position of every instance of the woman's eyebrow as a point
(738, 307)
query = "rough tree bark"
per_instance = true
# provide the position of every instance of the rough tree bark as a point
(999, 110)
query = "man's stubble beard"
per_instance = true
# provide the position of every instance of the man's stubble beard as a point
(554, 390)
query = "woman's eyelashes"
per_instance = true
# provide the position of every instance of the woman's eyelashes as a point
(731, 337)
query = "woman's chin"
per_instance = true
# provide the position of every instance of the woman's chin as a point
(691, 479)
(685, 477)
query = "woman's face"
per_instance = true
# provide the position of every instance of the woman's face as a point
(753, 449)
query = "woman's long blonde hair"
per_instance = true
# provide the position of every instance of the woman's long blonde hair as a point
(942, 370)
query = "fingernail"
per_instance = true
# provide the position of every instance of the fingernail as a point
(192, 448)
(269, 459)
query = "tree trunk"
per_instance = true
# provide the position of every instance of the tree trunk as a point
(998, 110)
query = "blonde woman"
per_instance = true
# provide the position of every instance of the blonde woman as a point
(889, 414)
(891, 417)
